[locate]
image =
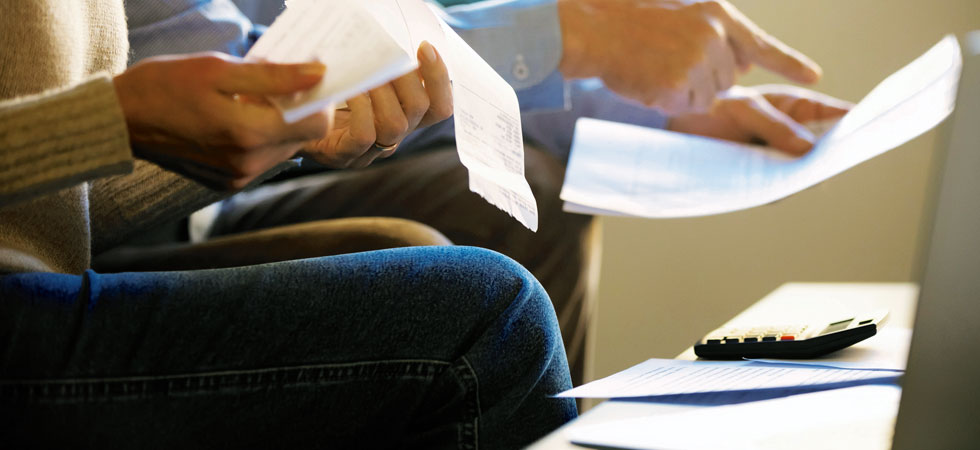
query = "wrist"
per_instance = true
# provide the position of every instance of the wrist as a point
(572, 15)
(126, 96)
(130, 93)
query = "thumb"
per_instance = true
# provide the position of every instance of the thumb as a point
(753, 45)
(264, 78)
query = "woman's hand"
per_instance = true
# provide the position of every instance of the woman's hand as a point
(375, 123)
(198, 115)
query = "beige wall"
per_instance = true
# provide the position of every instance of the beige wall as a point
(664, 283)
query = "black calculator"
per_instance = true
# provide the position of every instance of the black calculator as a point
(798, 341)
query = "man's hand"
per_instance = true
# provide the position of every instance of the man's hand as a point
(202, 115)
(773, 114)
(675, 55)
(375, 123)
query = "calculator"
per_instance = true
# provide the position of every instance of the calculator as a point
(797, 341)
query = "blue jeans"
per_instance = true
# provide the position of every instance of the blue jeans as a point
(423, 347)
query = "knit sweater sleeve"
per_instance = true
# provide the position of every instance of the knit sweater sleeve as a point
(58, 139)
(123, 206)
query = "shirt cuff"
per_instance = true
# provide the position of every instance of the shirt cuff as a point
(553, 131)
(521, 40)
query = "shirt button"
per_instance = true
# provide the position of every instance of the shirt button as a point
(521, 71)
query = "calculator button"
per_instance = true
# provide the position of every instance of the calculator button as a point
(750, 339)
(787, 337)
(731, 340)
(769, 338)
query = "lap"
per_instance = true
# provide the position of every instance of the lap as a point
(360, 339)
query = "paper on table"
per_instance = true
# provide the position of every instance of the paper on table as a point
(672, 377)
(342, 34)
(625, 169)
(863, 415)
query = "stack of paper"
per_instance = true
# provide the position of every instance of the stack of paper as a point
(366, 43)
(865, 414)
(725, 380)
(743, 404)
(624, 169)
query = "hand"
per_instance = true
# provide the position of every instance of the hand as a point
(675, 55)
(386, 115)
(198, 115)
(773, 114)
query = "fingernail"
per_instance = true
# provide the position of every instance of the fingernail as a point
(801, 145)
(428, 51)
(815, 71)
(312, 69)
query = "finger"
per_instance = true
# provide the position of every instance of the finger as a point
(413, 98)
(390, 122)
(367, 158)
(757, 117)
(437, 85)
(703, 91)
(805, 110)
(804, 105)
(264, 78)
(756, 46)
(678, 100)
(360, 135)
(254, 125)
(724, 65)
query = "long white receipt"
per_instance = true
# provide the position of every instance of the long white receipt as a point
(656, 377)
(369, 42)
(624, 169)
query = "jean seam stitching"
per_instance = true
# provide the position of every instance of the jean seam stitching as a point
(286, 376)
(469, 430)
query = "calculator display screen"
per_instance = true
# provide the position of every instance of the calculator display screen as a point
(836, 326)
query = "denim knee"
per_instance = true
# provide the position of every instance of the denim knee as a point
(502, 269)
(526, 311)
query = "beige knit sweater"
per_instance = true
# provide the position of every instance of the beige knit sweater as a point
(69, 186)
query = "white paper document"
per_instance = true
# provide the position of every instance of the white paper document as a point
(629, 170)
(857, 417)
(359, 53)
(365, 43)
(662, 377)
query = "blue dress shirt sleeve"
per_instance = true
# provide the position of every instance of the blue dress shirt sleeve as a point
(521, 40)
(162, 27)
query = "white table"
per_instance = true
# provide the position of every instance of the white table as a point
(790, 303)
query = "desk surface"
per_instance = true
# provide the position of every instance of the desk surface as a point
(790, 303)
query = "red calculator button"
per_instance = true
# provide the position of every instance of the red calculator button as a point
(786, 337)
